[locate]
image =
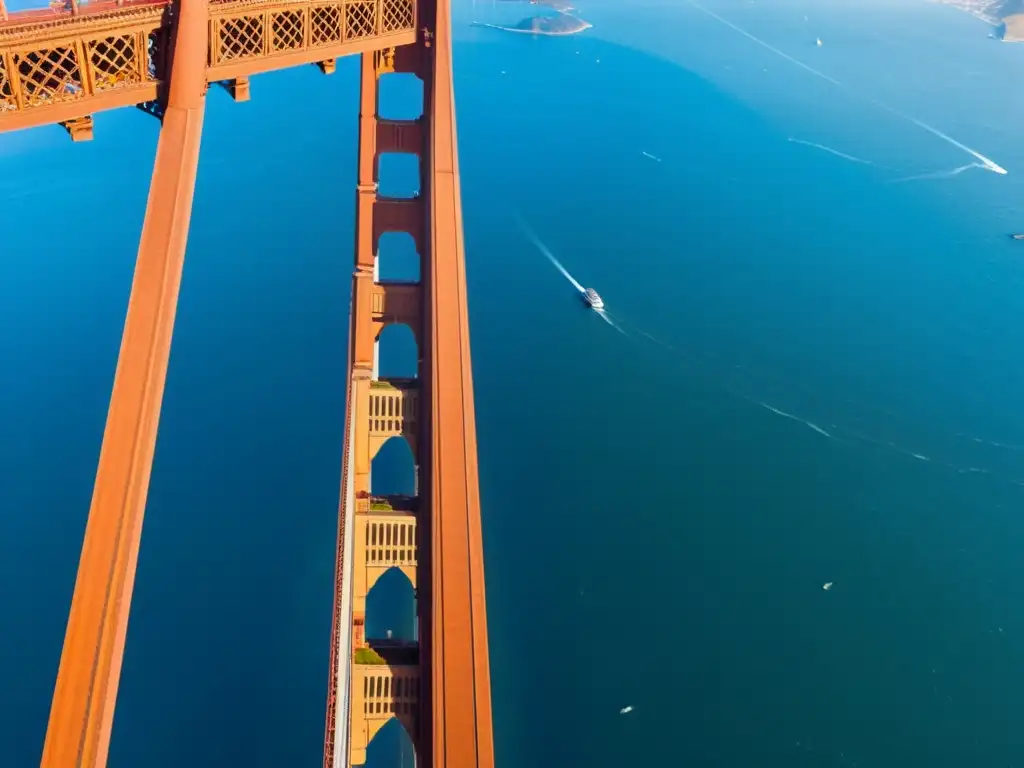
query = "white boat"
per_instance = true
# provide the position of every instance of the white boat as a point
(593, 299)
(819, 42)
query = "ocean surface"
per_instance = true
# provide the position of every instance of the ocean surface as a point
(810, 371)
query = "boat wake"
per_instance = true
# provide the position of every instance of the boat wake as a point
(809, 424)
(603, 314)
(565, 273)
(938, 174)
(532, 236)
(831, 151)
(649, 156)
(761, 42)
(987, 163)
(849, 435)
(840, 434)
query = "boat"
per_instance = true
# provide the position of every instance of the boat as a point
(593, 299)
(1017, 237)
(819, 42)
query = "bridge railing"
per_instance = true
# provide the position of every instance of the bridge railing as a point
(250, 35)
(110, 56)
(338, 621)
(57, 64)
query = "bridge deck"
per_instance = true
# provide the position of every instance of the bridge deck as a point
(461, 700)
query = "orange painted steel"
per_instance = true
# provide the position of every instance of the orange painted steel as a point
(82, 713)
(51, 15)
(62, 65)
(330, 721)
(57, 66)
(460, 695)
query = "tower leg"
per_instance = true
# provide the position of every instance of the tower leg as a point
(82, 713)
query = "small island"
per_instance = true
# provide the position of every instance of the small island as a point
(552, 26)
(1013, 28)
(558, 5)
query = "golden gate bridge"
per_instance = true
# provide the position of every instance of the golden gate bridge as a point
(62, 65)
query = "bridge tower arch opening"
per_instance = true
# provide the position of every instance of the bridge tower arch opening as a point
(391, 599)
(400, 96)
(391, 747)
(396, 353)
(393, 468)
(396, 259)
(398, 175)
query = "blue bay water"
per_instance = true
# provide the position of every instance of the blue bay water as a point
(655, 536)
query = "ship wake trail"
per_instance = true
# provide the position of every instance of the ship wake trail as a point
(987, 163)
(809, 424)
(939, 174)
(763, 44)
(831, 151)
(531, 235)
(845, 435)
(726, 388)
(608, 319)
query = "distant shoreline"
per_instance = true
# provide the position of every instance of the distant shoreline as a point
(546, 33)
(979, 10)
(1006, 27)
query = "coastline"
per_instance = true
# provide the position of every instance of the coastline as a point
(979, 10)
(1013, 28)
(1007, 28)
